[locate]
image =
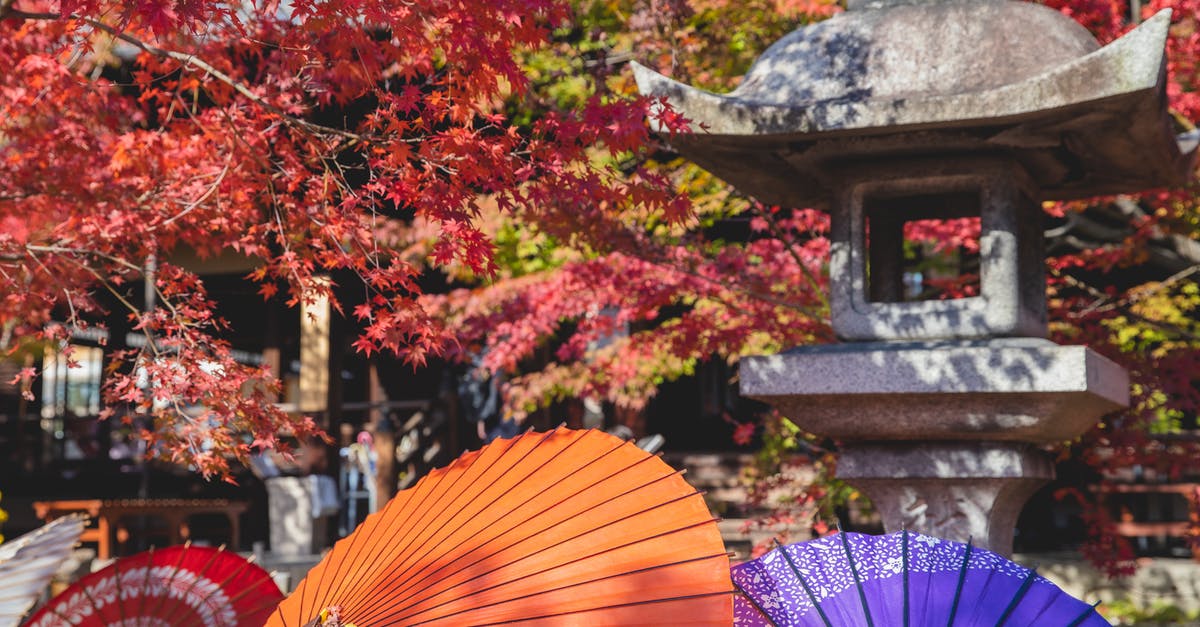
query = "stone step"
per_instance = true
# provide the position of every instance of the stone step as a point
(741, 540)
(710, 470)
(733, 495)
(719, 475)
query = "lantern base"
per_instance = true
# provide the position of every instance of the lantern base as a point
(954, 490)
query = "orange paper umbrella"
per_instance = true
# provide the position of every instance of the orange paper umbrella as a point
(562, 527)
(178, 586)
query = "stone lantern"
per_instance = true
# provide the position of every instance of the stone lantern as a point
(900, 111)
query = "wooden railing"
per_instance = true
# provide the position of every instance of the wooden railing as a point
(1159, 513)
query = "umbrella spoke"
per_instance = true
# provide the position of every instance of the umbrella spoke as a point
(898, 579)
(1012, 605)
(807, 589)
(904, 567)
(962, 577)
(862, 595)
(178, 586)
(1084, 615)
(754, 602)
(538, 526)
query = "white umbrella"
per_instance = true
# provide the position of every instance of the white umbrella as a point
(28, 562)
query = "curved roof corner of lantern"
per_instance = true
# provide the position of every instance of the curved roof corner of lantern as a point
(941, 78)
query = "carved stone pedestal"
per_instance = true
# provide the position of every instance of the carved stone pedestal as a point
(955, 490)
(899, 111)
(943, 437)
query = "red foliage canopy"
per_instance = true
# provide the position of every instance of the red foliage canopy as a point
(132, 130)
(374, 137)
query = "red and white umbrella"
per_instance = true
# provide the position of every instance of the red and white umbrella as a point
(173, 587)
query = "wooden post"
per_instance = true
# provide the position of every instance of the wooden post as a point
(272, 358)
(385, 437)
(385, 462)
(314, 354)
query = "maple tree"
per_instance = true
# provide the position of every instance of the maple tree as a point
(497, 141)
(311, 137)
(624, 314)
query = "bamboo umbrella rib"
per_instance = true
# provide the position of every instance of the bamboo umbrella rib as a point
(425, 489)
(65, 619)
(486, 506)
(202, 572)
(465, 477)
(532, 534)
(371, 619)
(145, 582)
(483, 541)
(705, 595)
(359, 544)
(862, 594)
(754, 603)
(407, 552)
(393, 618)
(609, 577)
(1084, 615)
(373, 530)
(117, 575)
(223, 585)
(804, 584)
(495, 513)
(87, 593)
(167, 584)
(378, 527)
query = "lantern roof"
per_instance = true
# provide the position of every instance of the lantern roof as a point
(895, 80)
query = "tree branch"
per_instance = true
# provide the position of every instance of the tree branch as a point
(1125, 306)
(238, 86)
(813, 284)
(7, 11)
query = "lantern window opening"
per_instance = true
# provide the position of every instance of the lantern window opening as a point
(914, 256)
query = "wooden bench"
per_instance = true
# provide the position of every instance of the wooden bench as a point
(109, 516)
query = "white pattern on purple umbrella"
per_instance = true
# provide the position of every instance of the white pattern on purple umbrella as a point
(901, 579)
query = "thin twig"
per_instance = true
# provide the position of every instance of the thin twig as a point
(1124, 308)
(813, 284)
(1140, 295)
(6, 11)
(66, 250)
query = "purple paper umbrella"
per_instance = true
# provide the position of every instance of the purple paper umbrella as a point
(905, 578)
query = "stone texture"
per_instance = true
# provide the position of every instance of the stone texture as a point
(926, 49)
(1017, 389)
(958, 491)
(939, 78)
(293, 529)
(1012, 298)
(862, 5)
(894, 112)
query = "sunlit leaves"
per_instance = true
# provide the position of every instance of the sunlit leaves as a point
(361, 138)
